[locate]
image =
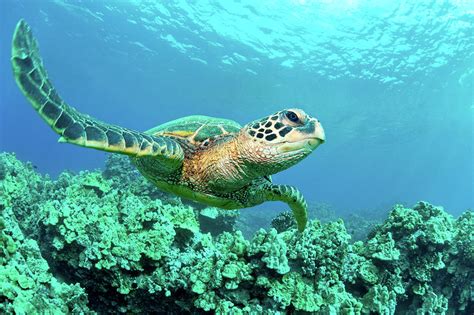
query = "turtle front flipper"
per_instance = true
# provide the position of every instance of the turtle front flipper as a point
(293, 197)
(73, 126)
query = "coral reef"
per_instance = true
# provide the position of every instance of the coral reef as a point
(356, 225)
(283, 222)
(27, 283)
(111, 242)
(217, 221)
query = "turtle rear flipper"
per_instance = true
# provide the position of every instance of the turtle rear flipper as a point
(73, 126)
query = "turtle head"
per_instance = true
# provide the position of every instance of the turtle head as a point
(283, 139)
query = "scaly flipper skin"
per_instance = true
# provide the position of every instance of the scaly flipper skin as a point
(293, 197)
(73, 126)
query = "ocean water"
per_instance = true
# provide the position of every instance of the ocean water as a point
(392, 82)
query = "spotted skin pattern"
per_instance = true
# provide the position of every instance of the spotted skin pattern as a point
(269, 128)
(214, 161)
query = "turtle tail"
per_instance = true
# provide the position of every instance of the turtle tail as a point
(73, 126)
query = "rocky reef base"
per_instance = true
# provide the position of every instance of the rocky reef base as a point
(108, 242)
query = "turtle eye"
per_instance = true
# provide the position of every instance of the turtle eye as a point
(292, 116)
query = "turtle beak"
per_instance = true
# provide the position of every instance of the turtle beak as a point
(313, 136)
(317, 137)
(319, 131)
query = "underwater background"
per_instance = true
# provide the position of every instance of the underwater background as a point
(392, 83)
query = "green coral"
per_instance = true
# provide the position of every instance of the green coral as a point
(413, 250)
(216, 221)
(137, 250)
(321, 250)
(27, 285)
(297, 291)
(382, 247)
(272, 250)
(284, 221)
(22, 189)
(380, 300)
(460, 265)
(101, 228)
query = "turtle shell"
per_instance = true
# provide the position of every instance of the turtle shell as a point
(196, 128)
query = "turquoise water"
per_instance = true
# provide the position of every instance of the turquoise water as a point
(392, 82)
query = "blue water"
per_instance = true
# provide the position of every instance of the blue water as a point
(391, 81)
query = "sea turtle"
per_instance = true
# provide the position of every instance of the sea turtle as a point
(214, 161)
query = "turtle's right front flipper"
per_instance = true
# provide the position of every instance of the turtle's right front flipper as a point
(73, 126)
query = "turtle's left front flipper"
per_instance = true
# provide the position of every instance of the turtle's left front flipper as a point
(293, 197)
(73, 126)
